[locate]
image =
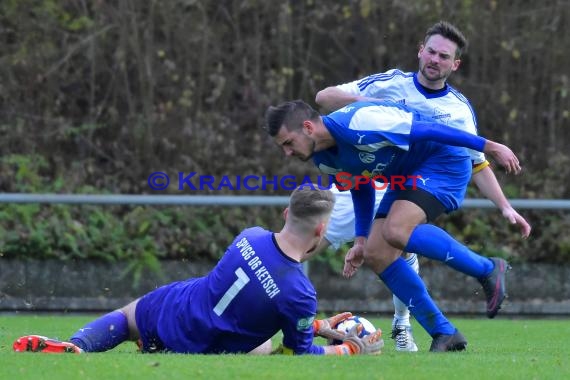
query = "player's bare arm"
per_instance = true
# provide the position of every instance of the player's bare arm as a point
(503, 155)
(487, 183)
(333, 98)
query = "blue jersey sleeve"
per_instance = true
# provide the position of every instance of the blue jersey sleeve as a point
(425, 130)
(298, 313)
(363, 199)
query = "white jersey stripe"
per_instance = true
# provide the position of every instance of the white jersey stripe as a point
(449, 107)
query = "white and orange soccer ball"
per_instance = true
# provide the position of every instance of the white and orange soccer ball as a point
(345, 326)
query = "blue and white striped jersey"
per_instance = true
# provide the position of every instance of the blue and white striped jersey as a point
(374, 139)
(447, 106)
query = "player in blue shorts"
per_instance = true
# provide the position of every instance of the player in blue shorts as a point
(427, 92)
(428, 173)
(340, 230)
(257, 289)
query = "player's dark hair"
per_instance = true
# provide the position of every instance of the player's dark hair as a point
(290, 114)
(451, 32)
(309, 201)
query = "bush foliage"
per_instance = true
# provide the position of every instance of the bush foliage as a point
(97, 95)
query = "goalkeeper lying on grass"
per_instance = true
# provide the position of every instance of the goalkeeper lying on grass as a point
(255, 290)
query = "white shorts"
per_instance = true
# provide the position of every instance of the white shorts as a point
(341, 224)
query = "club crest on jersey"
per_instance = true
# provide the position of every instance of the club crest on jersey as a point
(441, 116)
(305, 323)
(366, 158)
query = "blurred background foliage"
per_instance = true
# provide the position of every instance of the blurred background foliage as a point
(96, 95)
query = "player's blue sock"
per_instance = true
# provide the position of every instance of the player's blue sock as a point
(103, 333)
(433, 242)
(401, 312)
(407, 285)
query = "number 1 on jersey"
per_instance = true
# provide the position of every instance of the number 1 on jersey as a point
(232, 292)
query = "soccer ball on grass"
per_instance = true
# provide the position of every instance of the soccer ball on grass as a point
(345, 326)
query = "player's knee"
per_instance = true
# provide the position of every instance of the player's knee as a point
(377, 261)
(371, 260)
(395, 235)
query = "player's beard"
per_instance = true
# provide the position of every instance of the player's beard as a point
(310, 154)
(437, 76)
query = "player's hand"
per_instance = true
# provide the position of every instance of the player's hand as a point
(515, 218)
(354, 258)
(354, 345)
(326, 327)
(504, 156)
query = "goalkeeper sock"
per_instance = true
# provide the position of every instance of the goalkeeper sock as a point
(103, 333)
(401, 312)
(407, 285)
(433, 242)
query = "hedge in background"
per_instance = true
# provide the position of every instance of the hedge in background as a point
(95, 96)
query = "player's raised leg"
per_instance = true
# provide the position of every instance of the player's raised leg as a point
(445, 194)
(433, 242)
(407, 285)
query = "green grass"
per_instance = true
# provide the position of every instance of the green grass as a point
(498, 349)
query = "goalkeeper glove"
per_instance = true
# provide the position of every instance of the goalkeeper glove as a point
(352, 344)
(326, 327)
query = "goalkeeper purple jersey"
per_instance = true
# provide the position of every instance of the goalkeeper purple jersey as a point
(254, 291)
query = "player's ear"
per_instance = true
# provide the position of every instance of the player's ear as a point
(308, 127)
(285, 213)
(420, 50)
(456, 64)
(321, 229)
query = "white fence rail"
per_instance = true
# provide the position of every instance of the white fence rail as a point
(231, 200)
(524, 301)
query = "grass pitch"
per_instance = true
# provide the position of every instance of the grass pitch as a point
(498, 349)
